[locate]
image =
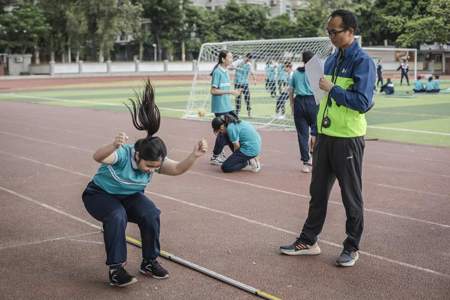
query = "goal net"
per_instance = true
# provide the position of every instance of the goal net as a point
(269, 58)
(391, 58)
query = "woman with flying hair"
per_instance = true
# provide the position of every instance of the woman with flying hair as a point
(116, 193)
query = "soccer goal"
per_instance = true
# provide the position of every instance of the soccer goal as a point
(266, 55)
(391, 58)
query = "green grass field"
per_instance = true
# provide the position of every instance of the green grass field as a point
(405, 117)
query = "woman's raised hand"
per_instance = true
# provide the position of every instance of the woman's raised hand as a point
(120, 139)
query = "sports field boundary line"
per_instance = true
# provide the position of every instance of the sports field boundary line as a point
(272, 189)
(251, 221)
(61, 238)
(409, 130)
(12, 94)
(164, 254)
(91, 103)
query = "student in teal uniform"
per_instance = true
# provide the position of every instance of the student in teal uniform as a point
(246, 143)
(432, 86)
(282, 76)
(243, 71)
(271, 86)
(419, 87)
(305, 112)
(221, 100)
(280, 106)
(115, 194)
(436, 87)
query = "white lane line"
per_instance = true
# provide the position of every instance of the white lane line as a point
(423, 173)
(90, 103)
(247, 184)
(247, 220)
(251, 221)
(46, 142)
(410, 130)
(167, 255)
(66, 237)
(86, 241)
(50, 208)
(411, 190)
(330, 201)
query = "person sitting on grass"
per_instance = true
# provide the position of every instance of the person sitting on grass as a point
(246, 143)
(116, 193)
(419, 87)
(432, 86)
(388, 87)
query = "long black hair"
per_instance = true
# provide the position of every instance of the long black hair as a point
(222, 55)
(224, 120)
(145, 116)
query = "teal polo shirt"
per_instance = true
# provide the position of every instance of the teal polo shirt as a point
(122, 177)
(270, 73)
(282, 74)
(300, 84)
(242, 73)
(247, 136)
(221, 80)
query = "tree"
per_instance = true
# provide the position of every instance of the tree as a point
(76, 28)
(106, 19)
(241, 22)
(22, 28)
(281, 27)
(165, 18)
(427, 26)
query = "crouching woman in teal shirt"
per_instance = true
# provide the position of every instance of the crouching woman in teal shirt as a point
(116, 193)
(245, 140)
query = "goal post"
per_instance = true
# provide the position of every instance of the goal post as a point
(263, 103)
(392, 57)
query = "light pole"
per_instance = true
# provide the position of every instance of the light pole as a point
(154, 52)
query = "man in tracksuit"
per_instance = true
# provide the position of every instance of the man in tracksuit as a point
(349, 80)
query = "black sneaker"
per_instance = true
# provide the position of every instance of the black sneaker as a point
(154, 269)
(347, 258)
(300, 248)
(120, 277)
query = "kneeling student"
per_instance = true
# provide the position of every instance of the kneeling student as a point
(245, 140)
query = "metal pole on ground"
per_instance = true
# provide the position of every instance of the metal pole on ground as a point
(210, 273)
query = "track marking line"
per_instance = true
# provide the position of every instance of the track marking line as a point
(165, 254)
(247, 184)
(82, 101)
(66, 237)
(251, 221)
(410, 130)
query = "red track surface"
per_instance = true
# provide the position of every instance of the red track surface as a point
(229, 223)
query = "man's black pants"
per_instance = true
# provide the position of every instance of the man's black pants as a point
(339, 158)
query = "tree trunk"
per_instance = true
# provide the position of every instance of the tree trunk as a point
(183, 51)
(69, 51)
(77, 56)
(37, 60)
(101, 58)
(141, 50)
(52, 56)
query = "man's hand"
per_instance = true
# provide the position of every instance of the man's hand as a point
(325, 84)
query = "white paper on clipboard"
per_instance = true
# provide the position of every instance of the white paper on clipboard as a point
(314, 71)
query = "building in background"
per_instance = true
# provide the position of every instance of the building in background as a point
(276, 7)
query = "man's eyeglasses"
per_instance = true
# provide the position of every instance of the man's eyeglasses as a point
(333, 32)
